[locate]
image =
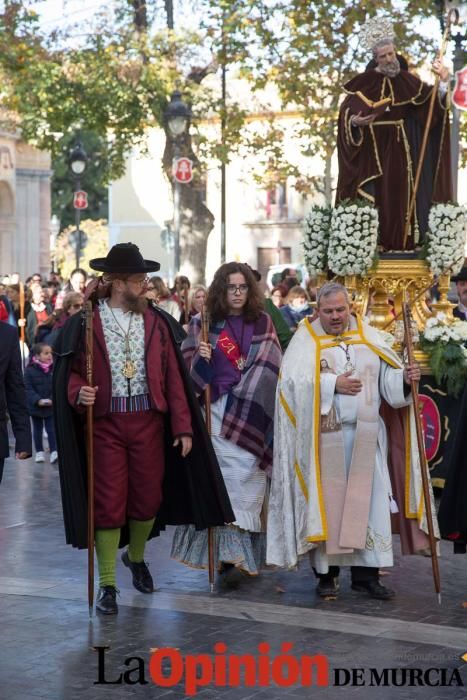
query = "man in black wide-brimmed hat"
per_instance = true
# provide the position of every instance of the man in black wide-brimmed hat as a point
(154, 464)
(460, 311)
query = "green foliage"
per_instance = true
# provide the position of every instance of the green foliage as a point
(96, 246)
(448, 364)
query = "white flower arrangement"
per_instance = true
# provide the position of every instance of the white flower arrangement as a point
(354, 238)
(444, 342)
(316, 239)
(437, 329)
(446, 238)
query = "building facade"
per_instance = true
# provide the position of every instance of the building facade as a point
(24, 207)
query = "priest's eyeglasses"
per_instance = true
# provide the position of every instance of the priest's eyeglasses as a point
(237, 288)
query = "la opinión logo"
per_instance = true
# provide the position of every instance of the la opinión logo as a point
(168, 667)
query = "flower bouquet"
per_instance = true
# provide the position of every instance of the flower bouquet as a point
(447, 229)
(354, 238)
(443, 342)
(316, 239)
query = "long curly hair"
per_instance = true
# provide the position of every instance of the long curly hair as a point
(216, 301)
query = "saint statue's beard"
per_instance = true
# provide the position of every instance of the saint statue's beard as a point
(390, 69)
(136, 304)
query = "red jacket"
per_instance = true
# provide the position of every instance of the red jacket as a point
(165, 384)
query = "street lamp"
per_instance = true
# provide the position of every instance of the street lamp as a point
(177, 119)
(77, 162)
(54, 228)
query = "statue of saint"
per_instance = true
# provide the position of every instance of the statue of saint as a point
(381, 125)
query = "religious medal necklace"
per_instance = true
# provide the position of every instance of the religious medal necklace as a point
(129, 367)
(240, 363)
(349, 366)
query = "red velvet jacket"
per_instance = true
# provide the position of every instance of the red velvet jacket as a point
(165, 384)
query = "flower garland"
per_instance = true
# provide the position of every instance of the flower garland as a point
(444, 344)
(447, 229)
(354, 238)
(316, 239)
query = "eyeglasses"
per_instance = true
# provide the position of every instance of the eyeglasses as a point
(237, 288)
(77, 306)
(140, 283)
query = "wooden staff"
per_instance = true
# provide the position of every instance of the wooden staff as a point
(90, 453)
(421, 449)
(452, 18)
(22, 330)
(207, 409)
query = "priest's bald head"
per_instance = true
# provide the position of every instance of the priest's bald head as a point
(333, 304)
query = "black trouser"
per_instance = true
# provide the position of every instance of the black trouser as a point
(2, 461)
(359, 574)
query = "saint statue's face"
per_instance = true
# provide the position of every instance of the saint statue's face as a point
(386, 60)
(334, 313)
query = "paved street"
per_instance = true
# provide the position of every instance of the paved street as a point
(47, 638)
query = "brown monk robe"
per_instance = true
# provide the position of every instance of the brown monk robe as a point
(378, 162)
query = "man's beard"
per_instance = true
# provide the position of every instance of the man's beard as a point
(136, 304)
(390, 69)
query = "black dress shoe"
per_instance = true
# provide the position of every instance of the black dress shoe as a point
(328, 586)
(374, 589)
(106, 602)
(142, 579)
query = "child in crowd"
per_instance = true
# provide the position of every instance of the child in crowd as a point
(38, 380)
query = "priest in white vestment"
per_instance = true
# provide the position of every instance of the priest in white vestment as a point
(338, 492)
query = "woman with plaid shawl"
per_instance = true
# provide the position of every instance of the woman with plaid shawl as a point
(241, 364)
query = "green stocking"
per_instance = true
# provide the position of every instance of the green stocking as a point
(139, 533)
(106, 551)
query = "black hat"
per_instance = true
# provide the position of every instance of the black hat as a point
(125, 258)
(461, 276)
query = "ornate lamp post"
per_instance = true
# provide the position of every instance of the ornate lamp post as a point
(54, 228)
(177, 119)
(78, 162)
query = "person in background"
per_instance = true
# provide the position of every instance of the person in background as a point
(76, 283)
(159, 291)
(196, 298)
(52, 287)
(283, 332)
(12, 398)
(296, 308)
(180, 291)
(289, 278)
(38, 380)
(278, 295)
(460, 311)
(311, 288)
(38, 313)
(48, 332)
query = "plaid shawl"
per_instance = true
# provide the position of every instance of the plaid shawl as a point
(249, 414)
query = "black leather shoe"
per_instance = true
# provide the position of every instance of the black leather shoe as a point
(142, 579)
(106, 602)
(374, 589)
(328, 586)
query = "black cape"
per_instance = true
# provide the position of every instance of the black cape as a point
(193, 488)
(452, 514)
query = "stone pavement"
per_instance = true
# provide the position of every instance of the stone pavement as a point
(48, 639)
